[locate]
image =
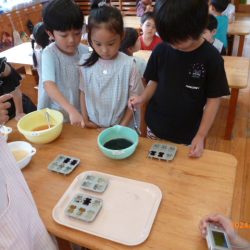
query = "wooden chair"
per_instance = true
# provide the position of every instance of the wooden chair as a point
(34, 14)
(128, 7)
(84, 6)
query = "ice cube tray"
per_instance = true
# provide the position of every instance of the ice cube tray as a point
(64, 164)
(84, 207)
(162, 152)
(94, 183)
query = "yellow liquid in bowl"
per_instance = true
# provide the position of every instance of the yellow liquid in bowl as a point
(43, 127)
(19, 154)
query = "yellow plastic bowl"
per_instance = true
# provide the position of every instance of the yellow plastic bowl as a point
(30, 123)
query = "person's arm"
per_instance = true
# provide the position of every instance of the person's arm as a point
(126, 118)
(236, 241)
(86, 120)
(55, 94)
(144, 97)
(209, 114)
(17, 98)
(135, 88)
(4, 105)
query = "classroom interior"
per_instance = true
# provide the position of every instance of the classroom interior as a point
(238, 145)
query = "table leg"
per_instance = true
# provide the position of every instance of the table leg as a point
(241, 45)
(63, 244)
(231, 113)
(28, 69)
(230, 39)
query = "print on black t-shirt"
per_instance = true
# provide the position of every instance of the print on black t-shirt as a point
(194, 83)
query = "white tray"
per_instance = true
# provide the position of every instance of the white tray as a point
(128, 212)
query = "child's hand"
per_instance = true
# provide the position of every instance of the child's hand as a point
(90, 124)
(76, 119)
(19, 116)
(3, 108)
(196, 147)
(134, 102)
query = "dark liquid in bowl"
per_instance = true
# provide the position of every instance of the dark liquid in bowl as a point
(117, 144)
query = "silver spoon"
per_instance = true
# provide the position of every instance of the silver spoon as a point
(48, 118)
(137, 129)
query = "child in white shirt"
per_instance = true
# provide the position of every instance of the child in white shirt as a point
(63, 20)
(109, 77)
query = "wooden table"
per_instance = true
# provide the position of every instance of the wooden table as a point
(20, 55)
(241, 29)
(237, 71)
(191, 188)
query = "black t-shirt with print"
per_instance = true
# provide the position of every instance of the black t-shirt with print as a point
(185, 81)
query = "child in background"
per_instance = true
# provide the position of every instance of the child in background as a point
(144, 6)
(10, 84)
(236, 241)
(149, 39)
(41, 39)
(230, 12)
(209, 33)
(216, 8)
(131, 44)
(109, 77)
(185, 75)
(59, 89)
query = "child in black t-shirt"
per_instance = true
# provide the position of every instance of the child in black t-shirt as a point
(185, 75)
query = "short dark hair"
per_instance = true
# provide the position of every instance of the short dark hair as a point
(212, 22)
(146, 16)
(40, 35)
(130, 37)
(103, 14)
(219, 5)
(179, 20)
(62, 15)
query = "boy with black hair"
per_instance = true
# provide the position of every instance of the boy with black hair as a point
(185, 74)
(216, 7)
(59, 88)
(209, 33)
(149, 40)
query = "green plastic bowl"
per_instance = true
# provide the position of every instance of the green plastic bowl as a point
(115, 132)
